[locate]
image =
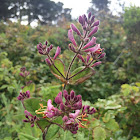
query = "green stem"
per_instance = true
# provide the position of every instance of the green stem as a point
(65, 135)
(55, 66)
(81, 45)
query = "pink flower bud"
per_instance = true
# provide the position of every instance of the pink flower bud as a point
(51, 46)
(32, 125)
(71, 47)
(21, 74)
(71, 37)
(92, 19)
(65, 94)
(48, 50)
(28, 93)
(48, 61)
(95, 29)
(80, 57)
(96, 64)
(81, 20)
(102, 55)
(93, 49)
(85, 18)
(74, 28)
(89, 15)
(28, 113)
(88, 57)
(72, 94)
(62, 107)
(58, 50)
(58, 98)
(90, 43)
(96, 23)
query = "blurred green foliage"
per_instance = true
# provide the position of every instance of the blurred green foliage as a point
(114, 90)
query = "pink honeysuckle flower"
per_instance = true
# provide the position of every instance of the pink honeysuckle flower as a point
(96, 64)
(95, 29)
(74, 115)
(58, 50)
(93, 49)
(90, 43)
(71, 37)
(51, 111)
(48, 61)
(74, 28)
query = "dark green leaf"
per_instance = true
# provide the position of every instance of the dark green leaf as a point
(32, 104)
(43, 123)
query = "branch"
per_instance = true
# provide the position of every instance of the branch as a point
(55, 66)
(81, 70)
(81, 45)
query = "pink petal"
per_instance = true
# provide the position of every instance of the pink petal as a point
(49, 105)
(71, 37)
(74, 28)
(95, 29)
(74, 115)
(93, 49)
(90, 43)
(58, 50)
(96, 64)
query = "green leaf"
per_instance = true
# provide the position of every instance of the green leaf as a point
(112, 125)
(52, 131)
(43, 123)
(23, 136)
(32, 104)
(61, 67)
(106, 117)
(58, 120)
(82, 76)
(31, 88)
(99, 133)
(94, 123)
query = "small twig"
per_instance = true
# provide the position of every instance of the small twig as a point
(44, 133)
(58, 125)
(55, 66)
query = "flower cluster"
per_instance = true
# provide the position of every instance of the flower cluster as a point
(30, 118)
(69, 106)
(88, 46)
(73, 103)
(24, 95)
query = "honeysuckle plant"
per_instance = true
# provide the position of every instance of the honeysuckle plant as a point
(66, 111)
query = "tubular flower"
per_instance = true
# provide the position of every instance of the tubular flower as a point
(71, 37)
(48, 111)
(58, 50)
